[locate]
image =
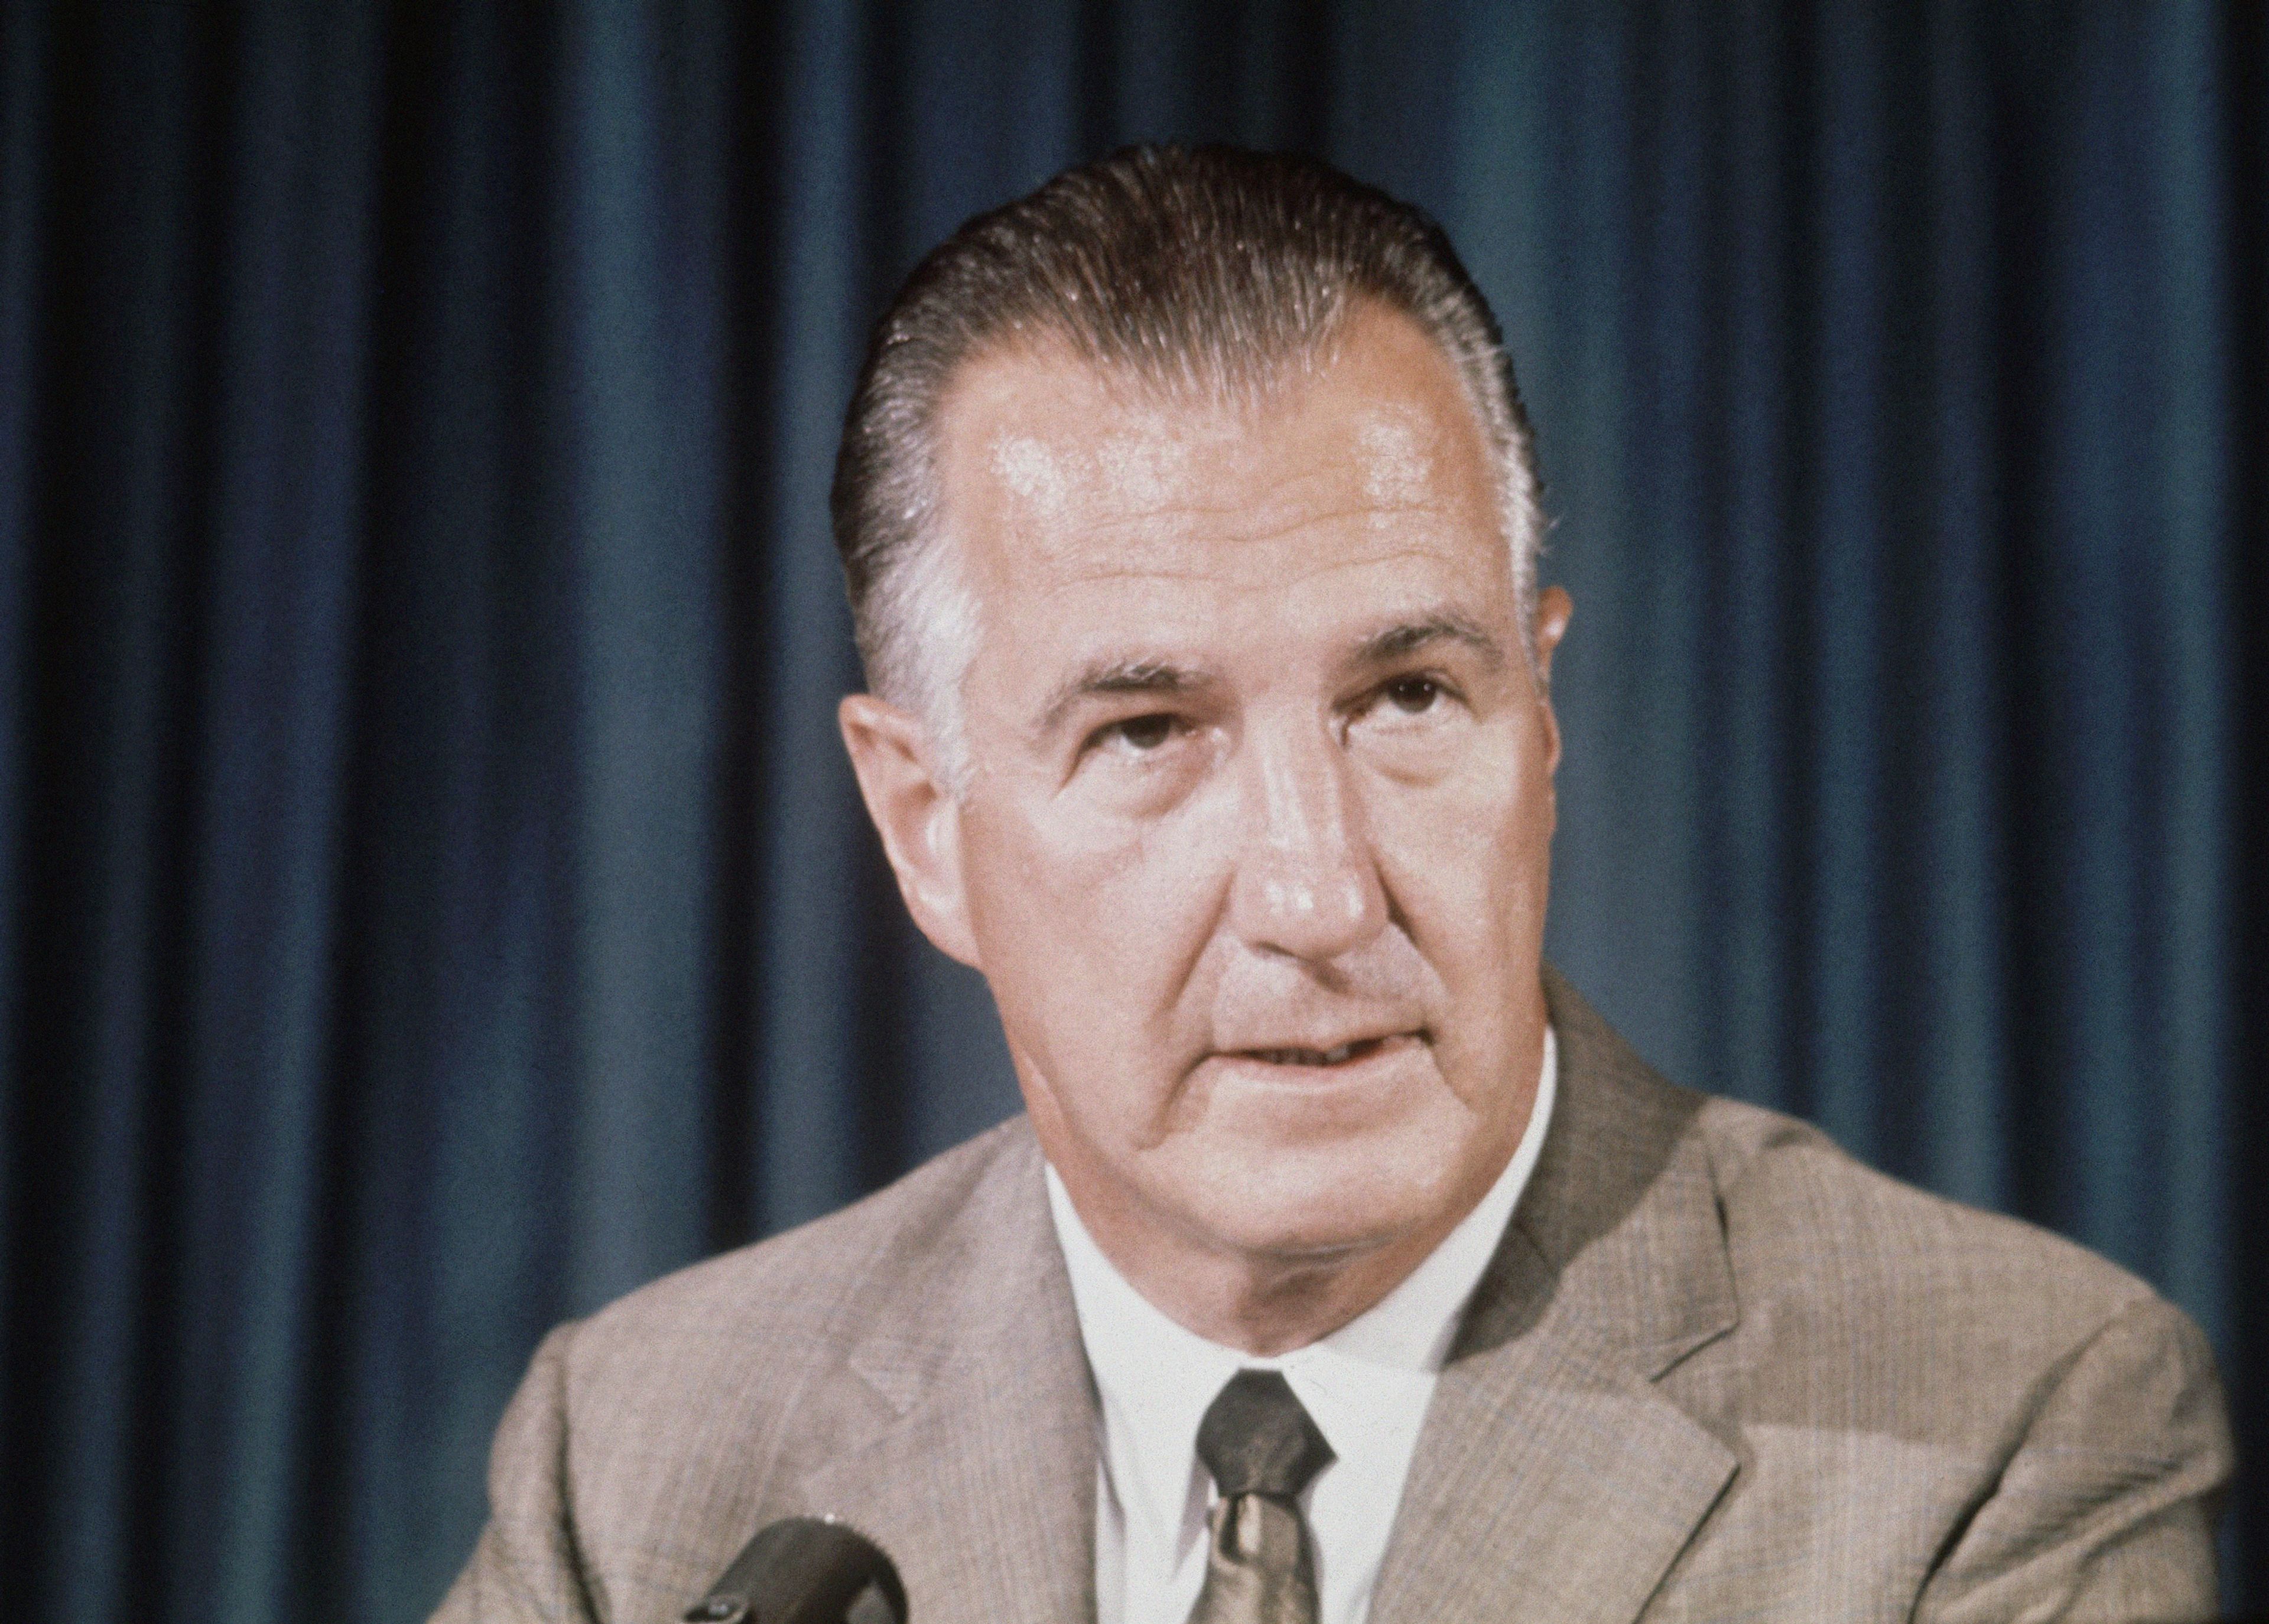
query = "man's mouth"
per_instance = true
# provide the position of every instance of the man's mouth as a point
(1359, 1049)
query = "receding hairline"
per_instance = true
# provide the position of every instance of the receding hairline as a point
(1010, 365)
(1003, 375)
(1247, 379)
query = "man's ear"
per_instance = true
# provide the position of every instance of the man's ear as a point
(917, 816)
(1554, 609)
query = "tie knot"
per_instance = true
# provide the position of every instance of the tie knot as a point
(1257, 1439)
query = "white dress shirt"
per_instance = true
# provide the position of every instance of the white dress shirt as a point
(1366, 1386)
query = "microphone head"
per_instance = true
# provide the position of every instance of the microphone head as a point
(806, 1570)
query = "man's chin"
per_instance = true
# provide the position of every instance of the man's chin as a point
(1321, 1202)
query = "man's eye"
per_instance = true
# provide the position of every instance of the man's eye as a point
(1411, 695)
(1146, 733)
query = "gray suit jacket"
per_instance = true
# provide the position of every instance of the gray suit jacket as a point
(1716, 1370)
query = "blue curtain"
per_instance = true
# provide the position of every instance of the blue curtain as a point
(436, 898)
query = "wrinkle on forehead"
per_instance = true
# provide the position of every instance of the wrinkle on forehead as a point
(1253, 568)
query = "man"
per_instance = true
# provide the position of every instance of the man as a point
(1346, 1267)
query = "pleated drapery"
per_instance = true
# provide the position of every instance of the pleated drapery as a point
(438, 901)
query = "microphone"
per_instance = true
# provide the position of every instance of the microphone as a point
(805, 1570)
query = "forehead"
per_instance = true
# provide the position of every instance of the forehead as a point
(1054, 472)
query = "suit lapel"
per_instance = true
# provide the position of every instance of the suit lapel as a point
(1554, 1481)
(983, 1489)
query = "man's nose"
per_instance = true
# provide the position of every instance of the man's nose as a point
(1306, 882)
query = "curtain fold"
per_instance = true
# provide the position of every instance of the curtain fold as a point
(437, 898)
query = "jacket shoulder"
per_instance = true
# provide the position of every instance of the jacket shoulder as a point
(639, 1452)
(2029, 1427)
(793, 1291)
(1928, 1306)
(1813, 1232)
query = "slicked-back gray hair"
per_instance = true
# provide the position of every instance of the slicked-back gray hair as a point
(1203, 271)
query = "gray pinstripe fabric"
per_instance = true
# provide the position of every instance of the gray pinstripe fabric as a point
(1716, 1370)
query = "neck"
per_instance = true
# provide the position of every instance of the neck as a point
(1270, 1304)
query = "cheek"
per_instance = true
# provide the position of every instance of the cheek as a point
(1089, 931)
(1467, 857)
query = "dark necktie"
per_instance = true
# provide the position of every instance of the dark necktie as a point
(1262, 1451)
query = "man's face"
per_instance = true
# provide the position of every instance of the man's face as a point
(1254, 852)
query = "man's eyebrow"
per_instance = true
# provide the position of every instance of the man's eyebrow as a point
(1117, 676)
(1411, 635)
